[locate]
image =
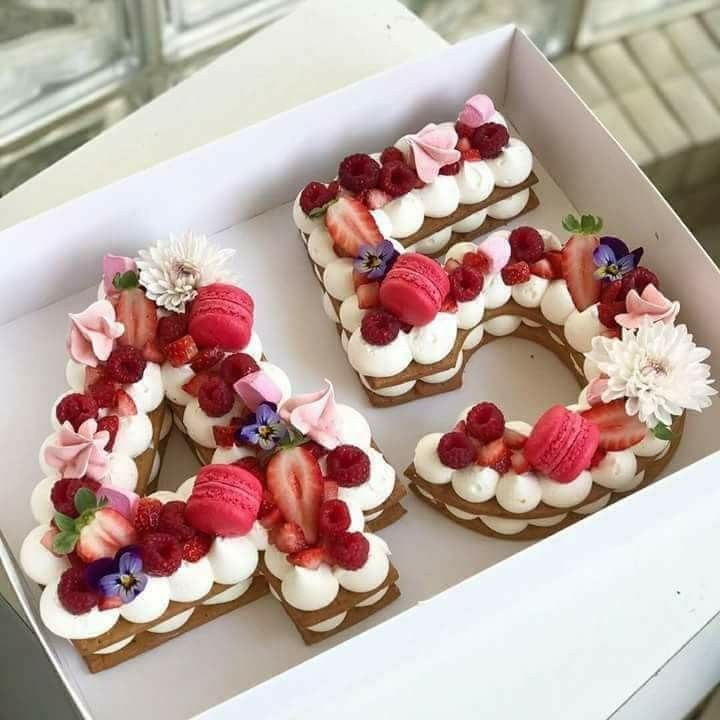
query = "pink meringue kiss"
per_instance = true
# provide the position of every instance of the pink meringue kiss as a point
(497, 249)
(257, 388)
(433, 148)
(93, 333)
(477, 111)
(75, 454)
(651, 304)
(124, 501)
(115, 265)
(315, 415)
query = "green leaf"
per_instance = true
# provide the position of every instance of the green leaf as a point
(126, 281)
(85, 500)
(318, 211)
(64, 522)
(570, 223)
(663, 432)
(64, 543)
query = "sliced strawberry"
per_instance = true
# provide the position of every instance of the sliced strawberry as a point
(477, 260)
(612, 292)
(368, 295)
(543, 268)
(597, 458)
(471, 155)
(109, 602)
(330, 490)
(124, 404)
(224, 435)
(111, 423)
(519, 464)
(207, 359)
(295, 480)
(449, 304)
(104, 535)
(554, 257)
(514, 440)
(272, 519)
(193, 385)
(139, 316)
(310, 558)
(351, 225)
(181, 351)
(578, 269)
(451, 265)
(94, 375)
(152, 352)
(495, 455)
(375, 198)
(618, 430)
(463, 144)
(288, 537)
(47, 539)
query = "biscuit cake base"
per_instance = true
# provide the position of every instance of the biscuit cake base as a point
(144, 461)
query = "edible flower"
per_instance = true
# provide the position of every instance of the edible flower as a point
(268, 429)
(76, 453)
(315, 415)
(119, 577)
(613, 259)
(375, 260)
(93, 333)
(432, 148)
(652, 304)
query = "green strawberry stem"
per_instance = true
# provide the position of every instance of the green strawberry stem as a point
(586, 225)
(87, 505)
(126, 281)
(663, 432)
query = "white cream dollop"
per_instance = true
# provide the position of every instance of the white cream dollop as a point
(518, 493)
(475, 183)
(376, 489)
(134, 435)
(148, 392)
(530, 294)
(232, 559)
(475, 483)
(37, 561)
(379, 360)
(427, 461)
(557, 305)
(440, 197)
(372, 573)
(406, 213)
(150, 604)
(582, 327)
(513, 165)
(564, 495)
(191, 581)
(309, 590)
(432, 342)
(616, 470)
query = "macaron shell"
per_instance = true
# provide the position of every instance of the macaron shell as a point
(221, 316)
(580, 454)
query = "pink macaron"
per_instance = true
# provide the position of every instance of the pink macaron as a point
(224, 501)
(414, 289)
(562, 444)
(221, 316)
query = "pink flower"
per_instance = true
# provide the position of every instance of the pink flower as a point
(432, 148)
(76, 453)
(650, 304)
(93, 333)
(315, 415)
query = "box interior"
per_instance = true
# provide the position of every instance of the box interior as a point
(238, 192)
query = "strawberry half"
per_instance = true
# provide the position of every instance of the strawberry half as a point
(495, 455)
(330, 490)
(513, 439)
(351, 225)
(578, 267)
(152, 352)
(310, 558)
(519, 464)
(193, 385)
(618, 430)
(543, 268)
(124, 404)
(104, 535)
(368, 295)
(138, 315)
(295, 480)
(288, 537)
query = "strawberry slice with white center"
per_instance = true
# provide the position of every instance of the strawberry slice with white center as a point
(296, 482)
(138, 315)
(104, 535)
(543, 268)
(124, 404)
(351, 226)
(311, 558)
(618, 430)
(578, 266)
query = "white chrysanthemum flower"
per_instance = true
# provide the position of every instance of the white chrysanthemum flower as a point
(658, 369)
(175, 268)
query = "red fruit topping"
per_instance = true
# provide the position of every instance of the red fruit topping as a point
(618, 430)
(172, 520)
(74, 593)
(451, 265)
(330, 490)
(288, 537)
(463, 130)
(390, 154)
(452, 169)
(519, 463)
(126, 364)
(485, 422)
(181, 351)
(207, 359)
(295, 480)
(397, 178)
(193, 385)
(460, 426)
(554, 257)
(578, 269)
(642, 277)
(197, 547)
(124, 405)
(379, 327)
(597, 458)
(358, 172)
(139, 316)
(608, 311)
(612, 292)
(171, 327)
(449, 305)
(103, 393)
(368, 295)
(62, 493)
(456, 450)
(147, 515)
(252, 465)
(334, 188)
(477, 260)
(471, 155)
(348, 466)
(464, 145)
(495, 455)
(110, 423)
(315, 196)
(224, 435)
(466, 283)
(108, 531)
(543, 268)
(94, 374)
(526, 244)
(236, 366)
(310, 558)
(351, 226)
(267, 504)
(152, 352)
(375, 198)
(216, 397)
(490, 139)
(350, 550)
(108, 603)
(513, 439)
(76, 408)
(516, 273)
(334, 518)
(161, 553)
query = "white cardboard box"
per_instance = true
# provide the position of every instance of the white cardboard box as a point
(568, 628)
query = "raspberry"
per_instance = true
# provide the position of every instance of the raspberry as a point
(171, 327)
(236, 366)
(379, 327)
(252, 465)
(490, 139)
(197, 547)
(76, 408)
(642, 277)
(315, 196)
(267, 504)
(608, 311)
(126, 364)
(207, 359)
(526, 244)
(502, 465)
(397, 178)
(348, 466)
(172, 521)
(452, 169)
(111, 423)
(597, 458)
(516, 273)
(612, 291)
(74, 592)
(224, 435)
(161, 553)
(350, 550)
(62, 493)
(463, 144)
(477, 260)
(316, 449)
(216, 397)
(334, 518)
(485, 422)
(456, 450)
(147, 515)
(358, 172)
(466, 283)
(391, 154)
(463, 130)
(103, 393)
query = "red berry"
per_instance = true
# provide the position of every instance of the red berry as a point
(514, 439)
(350, 550)
(207, 359)
(224, 435)
(463, 130)
(490, 139)
(390, 154)
(76, 408)
(172, 520)
(126, 364)
(236, 366)
(334, 518)
(103, 393)
(314, 196)
(642, 277)
(464, 144)
(485, 422)
(171, 327)
(348, 466)
(612, 291)
(451, 169)
(181, 351)
(456, 450)
(124, 405)
(374, 198)
(526, 244)
(477, 260)
(379, 327)
(466, 283)
(310, 558)
(288, 537)
(216, 397)
(111, 423)
(252, 465)
(62, 493)
(316, 449)
(358, 172)
(147, 515)
(397, 178)
(74, 592)
(197, 547)
(193, 385)
(267, 504)
(471, 155)
(554, 257)
(608, 311)
(161, 553)
(496, 455)
(597, 458)
(516, 273)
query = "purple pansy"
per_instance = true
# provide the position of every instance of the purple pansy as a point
(267, 430)
(375, 260)
(121, 576)
(613, 258)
